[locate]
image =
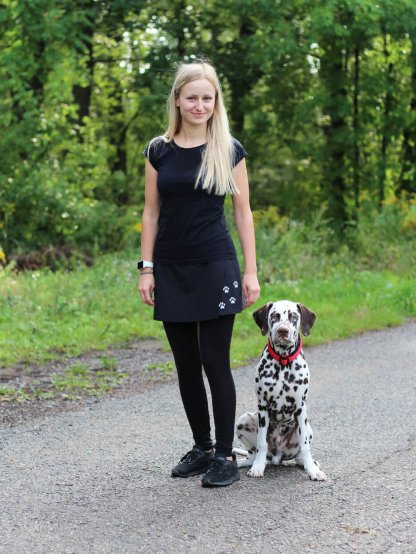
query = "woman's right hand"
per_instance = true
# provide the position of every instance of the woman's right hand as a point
(146, 288)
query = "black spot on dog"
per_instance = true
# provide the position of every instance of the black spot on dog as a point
(290, 399)
(262, 421)
(305, 381)
(291, 378)
(295, 388)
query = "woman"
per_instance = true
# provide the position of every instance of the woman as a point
(189, 261)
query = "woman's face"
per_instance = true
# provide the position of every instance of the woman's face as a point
(196, 102)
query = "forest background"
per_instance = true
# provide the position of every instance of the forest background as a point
(322, 93)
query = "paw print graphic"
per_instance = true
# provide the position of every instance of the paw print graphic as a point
(226, 289)
(221, 305)
(235, 284)
(232, 300)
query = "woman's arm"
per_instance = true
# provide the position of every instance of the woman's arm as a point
(245, 228)
(149, 231)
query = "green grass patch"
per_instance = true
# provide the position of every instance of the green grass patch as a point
(79, 378)
(74, 382)
(346, 304)
(44, 315)
(164, 367)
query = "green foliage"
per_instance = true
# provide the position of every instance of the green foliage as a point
(324, 100)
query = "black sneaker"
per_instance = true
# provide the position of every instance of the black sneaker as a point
(221, 472)
(194, 462)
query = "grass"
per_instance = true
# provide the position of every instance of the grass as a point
(44, 315)
(74, 381)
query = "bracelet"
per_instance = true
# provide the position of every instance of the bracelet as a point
(146, 273)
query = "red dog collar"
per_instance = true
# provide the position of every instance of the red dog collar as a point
(284, 360)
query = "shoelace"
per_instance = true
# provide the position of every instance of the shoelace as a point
(216, 465)
(188, 458)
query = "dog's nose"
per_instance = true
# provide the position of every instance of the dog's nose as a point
(283, 332)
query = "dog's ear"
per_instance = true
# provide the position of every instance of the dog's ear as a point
(260, 317)
(307, 319)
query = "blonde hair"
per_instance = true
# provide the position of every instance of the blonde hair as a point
(216, 171)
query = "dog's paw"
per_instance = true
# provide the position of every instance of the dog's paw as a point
(256, 471)
(317, 475)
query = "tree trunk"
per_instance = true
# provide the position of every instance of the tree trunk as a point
(336, 135)
(407, 181)
(82, 94)
(241, 81)
(386, 135)
(356, 138)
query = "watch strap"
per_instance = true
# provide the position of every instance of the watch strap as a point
(143, 263)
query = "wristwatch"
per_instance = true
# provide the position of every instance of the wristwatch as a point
(142, 264)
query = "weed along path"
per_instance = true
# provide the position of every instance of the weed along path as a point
(97, 479)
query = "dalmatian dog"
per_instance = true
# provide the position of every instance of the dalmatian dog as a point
(280, 430)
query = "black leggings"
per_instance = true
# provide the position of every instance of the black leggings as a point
(207, 344)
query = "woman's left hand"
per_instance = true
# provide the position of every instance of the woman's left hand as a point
(251, 288)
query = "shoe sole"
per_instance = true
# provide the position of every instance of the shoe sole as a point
(222, 483)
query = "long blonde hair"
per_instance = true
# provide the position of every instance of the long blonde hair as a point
(216, 171)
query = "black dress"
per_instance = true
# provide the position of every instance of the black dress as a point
(196, 272)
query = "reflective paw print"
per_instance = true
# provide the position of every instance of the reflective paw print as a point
(226, 289)
(235, 284)
(221, 305)
(232, 300)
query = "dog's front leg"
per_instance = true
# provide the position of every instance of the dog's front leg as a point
(259, 464)
(305, 456)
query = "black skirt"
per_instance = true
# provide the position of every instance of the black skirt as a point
(197, 292)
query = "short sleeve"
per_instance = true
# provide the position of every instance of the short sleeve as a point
(239, 152)
(153, 151)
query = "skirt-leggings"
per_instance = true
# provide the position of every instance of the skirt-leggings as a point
(206, 345)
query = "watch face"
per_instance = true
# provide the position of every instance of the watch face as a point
(140, 264)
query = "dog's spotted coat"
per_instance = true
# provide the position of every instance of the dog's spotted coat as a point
(280, 430)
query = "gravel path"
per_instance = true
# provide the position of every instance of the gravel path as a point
(97, 480)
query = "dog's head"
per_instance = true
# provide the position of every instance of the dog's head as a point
(282, 321)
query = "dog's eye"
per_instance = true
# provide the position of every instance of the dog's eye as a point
(274, 317)
(293, 317)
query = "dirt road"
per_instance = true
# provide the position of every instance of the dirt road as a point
(97, 480)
